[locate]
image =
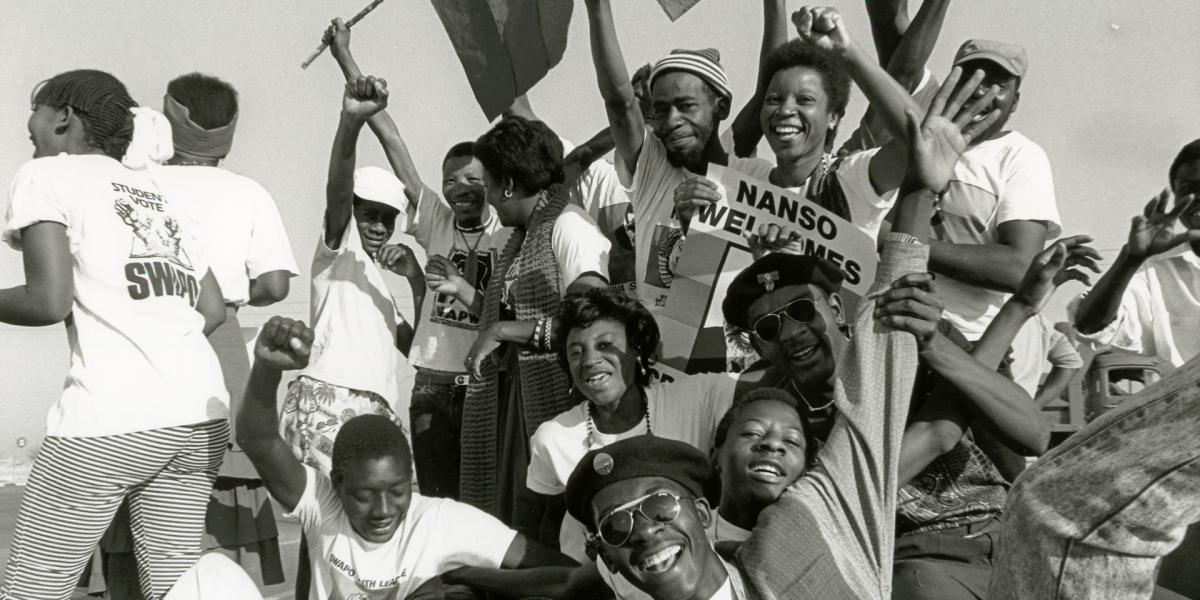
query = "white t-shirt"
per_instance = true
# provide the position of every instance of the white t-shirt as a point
(657, 235)
(995, 181)
(1160, 311)
(1037, 348)
(578, 248)
(437, 535)
(447, 329)
(599, 193)
(687, 409)
(353, 319)
(867, 208)
(139, 358)
(237, 221)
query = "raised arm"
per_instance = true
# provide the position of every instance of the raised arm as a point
(747, 131)
(337, 35)
(363, 97)
(1151, 233)
(907, 63)
(49, 289)
(283, 345)
(624, 116)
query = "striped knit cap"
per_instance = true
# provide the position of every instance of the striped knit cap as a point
(704, 63)
(100, 100)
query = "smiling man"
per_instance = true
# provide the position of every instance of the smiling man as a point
(370, 535)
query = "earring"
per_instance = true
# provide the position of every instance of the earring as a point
(507, 194)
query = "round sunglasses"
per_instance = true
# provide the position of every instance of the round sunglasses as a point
(617, 526)
(769, 326)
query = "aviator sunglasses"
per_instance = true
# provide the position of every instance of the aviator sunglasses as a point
(769, 326)
(659, 507)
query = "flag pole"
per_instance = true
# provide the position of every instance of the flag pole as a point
(362, 13)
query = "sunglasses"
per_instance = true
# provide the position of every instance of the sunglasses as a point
(769, 326)
(659, 507)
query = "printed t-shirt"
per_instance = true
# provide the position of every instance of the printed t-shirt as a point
(354, 320)
(687, 409)
(447, 329)
(1160, 311)
(599, 193)
(436, 535)
(139, 358)
(867, 208)
(237, 221)
(578, 248)
(657, 236)
(996, 181)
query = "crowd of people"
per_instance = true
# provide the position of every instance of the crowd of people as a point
(889, 447)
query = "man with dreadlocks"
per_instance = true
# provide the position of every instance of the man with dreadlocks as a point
(143, 413)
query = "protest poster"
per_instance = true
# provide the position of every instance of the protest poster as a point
(692, 326)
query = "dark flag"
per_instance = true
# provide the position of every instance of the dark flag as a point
(676, 8)
(506, 46)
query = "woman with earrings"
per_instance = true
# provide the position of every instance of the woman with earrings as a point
(554, 249)
(609, 350)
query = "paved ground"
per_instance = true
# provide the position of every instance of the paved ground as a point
(289, 532)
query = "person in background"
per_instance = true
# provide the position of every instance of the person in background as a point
(143, 413)
(1149, 299)
(1039, 337)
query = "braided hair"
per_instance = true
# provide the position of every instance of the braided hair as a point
(99, 100)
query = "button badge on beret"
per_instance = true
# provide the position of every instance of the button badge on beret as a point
(603, 464)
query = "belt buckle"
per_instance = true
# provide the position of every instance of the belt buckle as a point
(462, 380)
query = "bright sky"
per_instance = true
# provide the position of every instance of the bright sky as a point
(1111, 95)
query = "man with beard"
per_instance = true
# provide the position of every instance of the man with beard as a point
(1148, 300)
(462, 237)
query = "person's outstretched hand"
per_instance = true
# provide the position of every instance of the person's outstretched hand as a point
(936, 141)
(337, 37)
(1153, 231)
(1054, 266)
(365, 96)
(912, 305)
(284, 344)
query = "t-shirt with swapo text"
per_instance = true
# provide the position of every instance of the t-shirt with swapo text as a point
(436, 535)
(139, 358)
(447, 329)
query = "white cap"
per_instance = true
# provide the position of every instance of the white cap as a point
(380, 185)
(214, 577)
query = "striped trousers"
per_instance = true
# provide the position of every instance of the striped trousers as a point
(74, 490)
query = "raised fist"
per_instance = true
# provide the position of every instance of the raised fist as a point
(365, 96)
(284, 344)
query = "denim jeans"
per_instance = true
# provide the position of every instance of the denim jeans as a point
(1093, 518)
(435, 415)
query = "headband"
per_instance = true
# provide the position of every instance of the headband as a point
(194, 140)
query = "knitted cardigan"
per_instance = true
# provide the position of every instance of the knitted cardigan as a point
(536, 294)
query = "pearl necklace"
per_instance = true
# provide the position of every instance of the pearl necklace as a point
(590, 441)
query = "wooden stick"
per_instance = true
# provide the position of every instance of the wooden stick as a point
(362, 13)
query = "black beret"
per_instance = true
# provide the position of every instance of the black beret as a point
(640, 456)
(773, 271)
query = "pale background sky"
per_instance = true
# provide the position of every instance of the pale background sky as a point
(1112, 93)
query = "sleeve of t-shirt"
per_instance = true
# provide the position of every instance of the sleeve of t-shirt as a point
(471, 537)
(598, 188)
(1028, 192)
(32, 199)
(317, 503)
(1132, 329)
(579, 247)
(651, 160)
(431, 210)
(541, 477)
(1061, 353)
(270, 249)
(854, 174)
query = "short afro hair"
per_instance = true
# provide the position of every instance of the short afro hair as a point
(835, 74)
(581, 309)
(526, 151)
(459, 150)
(1189, 153)
(811, 444)
(211, 103)
(99, 100)
(369, 437)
